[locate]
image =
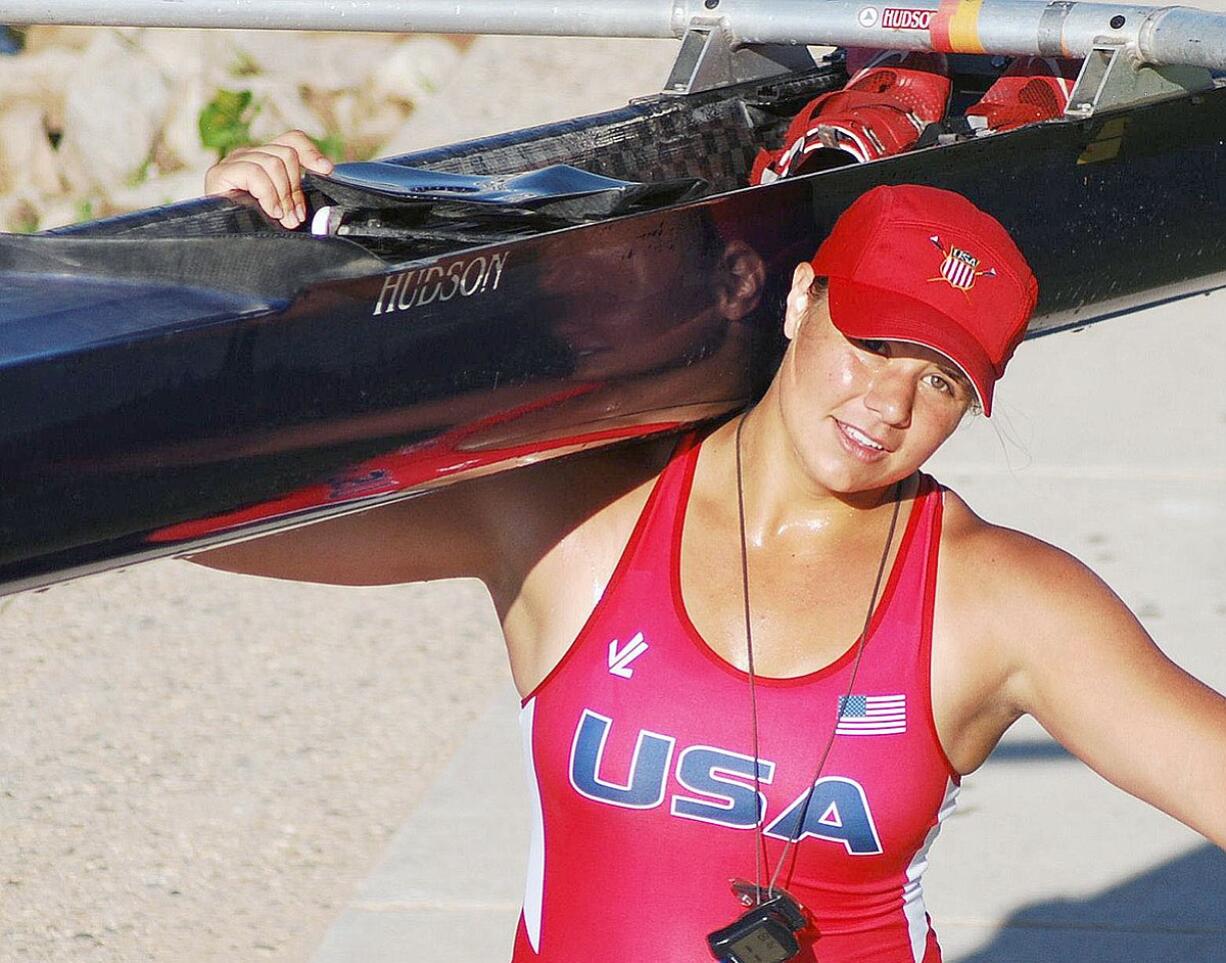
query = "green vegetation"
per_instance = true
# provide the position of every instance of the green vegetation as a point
(225, 122)
(244, 65)
(140, 175)
(337, 149)
(332, 146)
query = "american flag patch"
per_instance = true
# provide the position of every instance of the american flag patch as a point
(959, 268)
(872, 715)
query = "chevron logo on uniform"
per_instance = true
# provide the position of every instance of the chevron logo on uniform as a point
(871, 715)
(620, 658)
(960, 268)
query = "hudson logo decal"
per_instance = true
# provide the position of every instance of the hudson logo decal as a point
(906, 18)
(440, 282)
(867, 17)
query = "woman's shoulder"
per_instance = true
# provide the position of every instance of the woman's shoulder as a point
(990, 568)
(576, 487)
(966, 535)
(586, 502)
(561, 528)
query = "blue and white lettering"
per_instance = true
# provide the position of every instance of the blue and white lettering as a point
(838, 812)
(723, 788)
(644, 786)
(733, 802)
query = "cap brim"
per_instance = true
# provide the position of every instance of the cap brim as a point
(865, 311)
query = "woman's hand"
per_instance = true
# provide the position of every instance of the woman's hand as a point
(272, 174)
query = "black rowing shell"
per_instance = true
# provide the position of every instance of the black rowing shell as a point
(186, 376)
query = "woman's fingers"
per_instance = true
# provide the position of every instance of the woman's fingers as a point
(305, 155)
(292, 199)
(310, 156)
(251, 175)
(261, 174)
(272, 174)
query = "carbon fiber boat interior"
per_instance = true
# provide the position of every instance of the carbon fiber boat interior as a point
(655, 151)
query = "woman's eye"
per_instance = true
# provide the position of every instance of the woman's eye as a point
(946, 385)
(941, 384)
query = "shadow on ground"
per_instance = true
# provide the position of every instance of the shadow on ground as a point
(1176, 911)
(1031, 750)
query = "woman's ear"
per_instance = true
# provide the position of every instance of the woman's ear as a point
(800, 299)
(741, 279)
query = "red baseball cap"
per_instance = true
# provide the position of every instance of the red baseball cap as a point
(926, 266)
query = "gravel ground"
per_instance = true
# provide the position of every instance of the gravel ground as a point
(201, 766)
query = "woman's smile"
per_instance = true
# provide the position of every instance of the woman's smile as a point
(860, 444)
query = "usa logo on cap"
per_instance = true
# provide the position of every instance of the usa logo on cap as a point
(960, 268)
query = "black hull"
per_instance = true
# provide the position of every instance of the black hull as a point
(181, 393)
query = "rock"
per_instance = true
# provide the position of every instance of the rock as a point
(182, 54)
(20, 212)
(40, 78)
(128, 102)
(58, 38)
(281, 108)
(27, 159)
(516, 68)
(379, 121)
(180, 143)
(413, 71)
(157, 191)
(318, 61)
(113, 112)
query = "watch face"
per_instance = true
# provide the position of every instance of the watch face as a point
(759, 946)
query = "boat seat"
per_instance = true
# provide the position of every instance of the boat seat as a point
(558, 190)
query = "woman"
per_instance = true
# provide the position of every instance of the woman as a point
(679, 620)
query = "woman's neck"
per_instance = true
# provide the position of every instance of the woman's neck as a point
(782, 499)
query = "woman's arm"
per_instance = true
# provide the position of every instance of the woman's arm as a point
(497, 528)
(438, 535)
(1084, 667)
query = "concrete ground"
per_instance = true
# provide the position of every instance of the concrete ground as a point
(1110, 443)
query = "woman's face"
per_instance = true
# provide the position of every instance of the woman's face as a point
(861, 415)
